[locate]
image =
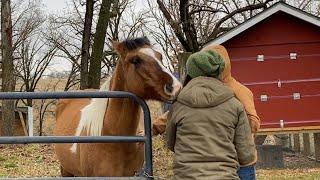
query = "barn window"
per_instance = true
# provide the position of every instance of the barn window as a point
(296, 96)
(293, 56)
(260, 58)
(264, 98)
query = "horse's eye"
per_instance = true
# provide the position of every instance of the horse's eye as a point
(136, 60)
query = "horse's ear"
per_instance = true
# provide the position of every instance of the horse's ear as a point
(118, 48)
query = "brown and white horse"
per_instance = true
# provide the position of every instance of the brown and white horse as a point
(139, 71)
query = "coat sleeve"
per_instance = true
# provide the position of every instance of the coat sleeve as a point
(171, 131)
(244, 143)
(245, 96)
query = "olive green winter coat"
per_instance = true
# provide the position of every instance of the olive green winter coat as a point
(209, 132)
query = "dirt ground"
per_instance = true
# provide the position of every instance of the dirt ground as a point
(40, 161)
(297, 166)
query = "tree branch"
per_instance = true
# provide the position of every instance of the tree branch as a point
(216, 31)
(175, 26)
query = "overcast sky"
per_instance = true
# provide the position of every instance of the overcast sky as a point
(55, 5)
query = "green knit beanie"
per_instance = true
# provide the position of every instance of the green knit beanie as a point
(205, 63)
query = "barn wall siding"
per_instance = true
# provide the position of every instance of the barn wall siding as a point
(279, 28)
(278, 76)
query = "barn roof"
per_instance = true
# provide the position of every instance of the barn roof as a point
(281, 6)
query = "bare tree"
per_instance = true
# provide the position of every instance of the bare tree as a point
(310, 6)
(98, 45)
(195, 22)
(85, 52)
(67, 31)
(8, 83)
(125, 23)
(163, 35)
(32, 52)
(73, 79)
(45, 104)
(45, 107)
(27, 17)
(33, 59)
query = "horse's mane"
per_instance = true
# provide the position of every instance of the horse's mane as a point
(132, 44)
(92, 116)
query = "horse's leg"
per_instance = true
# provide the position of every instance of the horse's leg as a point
(64, 173)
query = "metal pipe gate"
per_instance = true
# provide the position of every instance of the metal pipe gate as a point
(147, 171)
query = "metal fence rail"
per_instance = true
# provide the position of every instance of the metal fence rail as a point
(148, 169)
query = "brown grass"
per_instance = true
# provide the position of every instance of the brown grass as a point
(28, 161)
(40, 161)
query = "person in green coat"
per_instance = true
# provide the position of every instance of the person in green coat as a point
(208, 129)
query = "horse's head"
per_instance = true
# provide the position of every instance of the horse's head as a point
(143, 71)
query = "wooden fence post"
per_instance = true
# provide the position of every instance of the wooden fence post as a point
(296, 141)
(259, 140)
(290, 141)
(306, 144)
(182, 60)
(316, 137)
(270, 156)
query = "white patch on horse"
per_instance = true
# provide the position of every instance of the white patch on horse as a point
(176, 83)
(92, 116)
(149, 52)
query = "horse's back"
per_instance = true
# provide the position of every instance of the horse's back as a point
(67, 120)
(68, 115)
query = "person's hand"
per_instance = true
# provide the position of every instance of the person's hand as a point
(255, 126)
(159, 125)
(254, 123)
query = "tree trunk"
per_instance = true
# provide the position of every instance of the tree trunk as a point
(29, 102)
(85, 52)
(41, 124)
(28, 89)
(98, 44)
(188, 26)
(182, 61)
(8, 83)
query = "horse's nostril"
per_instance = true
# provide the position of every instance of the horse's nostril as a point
(169, 88)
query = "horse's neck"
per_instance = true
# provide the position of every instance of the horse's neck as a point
(122, 114)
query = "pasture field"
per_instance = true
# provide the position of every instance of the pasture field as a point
(40, 160)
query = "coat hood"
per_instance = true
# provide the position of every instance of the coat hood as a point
(226, 74)
(203, 92)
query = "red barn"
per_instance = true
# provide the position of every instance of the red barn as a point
(276, 54)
